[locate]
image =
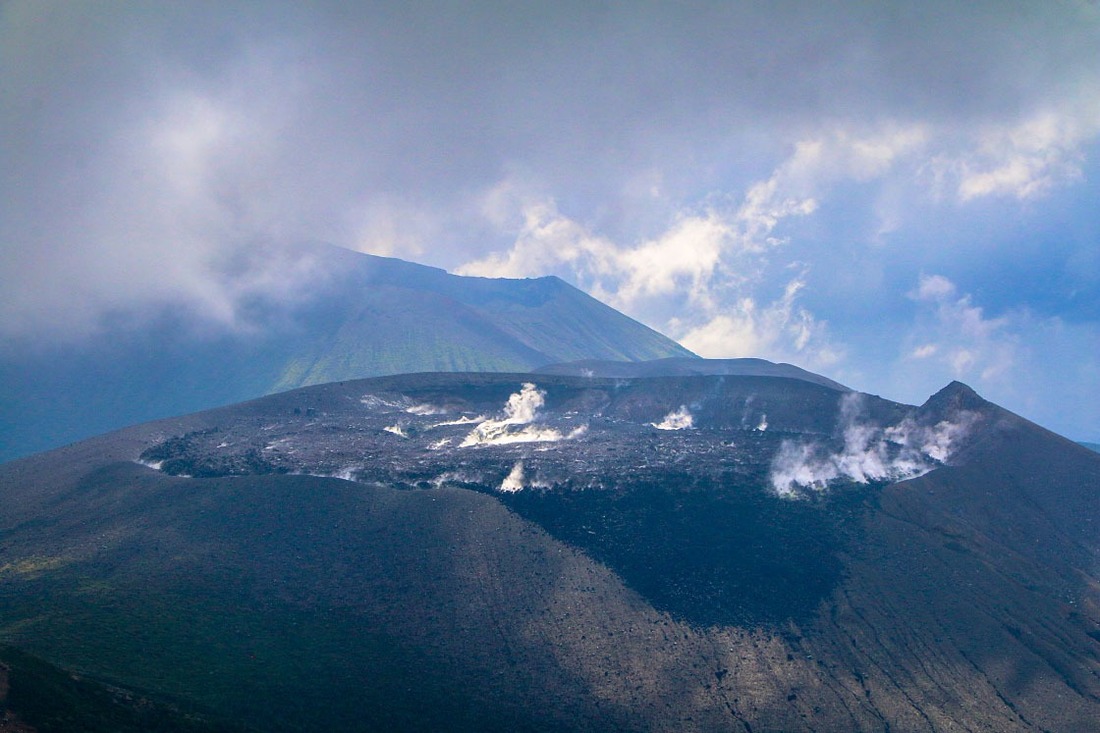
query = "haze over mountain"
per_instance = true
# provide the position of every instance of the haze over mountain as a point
(560, 552)
(360, 316)
(894, 194)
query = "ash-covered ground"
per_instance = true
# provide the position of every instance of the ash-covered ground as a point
(509, 434)
(547, 551)
(689, 487)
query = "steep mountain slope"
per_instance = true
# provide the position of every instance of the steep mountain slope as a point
(744, 553)
(369, 316)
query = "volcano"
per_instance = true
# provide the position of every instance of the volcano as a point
(357, 316)
(581, 549)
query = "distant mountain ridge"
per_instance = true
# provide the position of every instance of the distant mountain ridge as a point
(371, 316)
(687, 367)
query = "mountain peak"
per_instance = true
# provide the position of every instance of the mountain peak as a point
(954, 397)
(368, 316)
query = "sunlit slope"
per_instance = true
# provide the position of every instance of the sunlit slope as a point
(369, 316)
(394, 317)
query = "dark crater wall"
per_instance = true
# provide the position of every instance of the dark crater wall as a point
(710, 554)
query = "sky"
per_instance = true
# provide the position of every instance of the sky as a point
(892, 194)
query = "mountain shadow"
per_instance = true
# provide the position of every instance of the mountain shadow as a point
(729, 555)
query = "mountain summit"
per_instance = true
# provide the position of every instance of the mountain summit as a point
(369, 316)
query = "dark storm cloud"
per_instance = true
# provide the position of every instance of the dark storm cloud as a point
(344, 101)
(147, 145)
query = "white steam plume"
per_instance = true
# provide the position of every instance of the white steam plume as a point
(680, 419)
(393, 403)
(375, 402)
(515, 480)
(870, 453)
(526, 434)
(396, 430)
(346, 474)
(464, 420)
(425, 409)
(523, 406)
(935, 441)
(451, 477)
(520, 410)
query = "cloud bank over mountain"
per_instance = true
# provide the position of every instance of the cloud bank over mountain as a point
(895, 194)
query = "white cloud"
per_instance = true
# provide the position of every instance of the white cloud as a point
(701, 274)
(144, 150)
(685, 256)
(780, 330)
(924, 351)
(840, 153)
(797, 185)
(956, 333)
(545, 240)
(682, 258)
(933, 287)
(1023, 159)
(390, 227)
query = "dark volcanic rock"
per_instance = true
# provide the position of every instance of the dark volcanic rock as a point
(478, 552)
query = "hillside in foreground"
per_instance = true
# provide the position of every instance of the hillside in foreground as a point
(553, 552)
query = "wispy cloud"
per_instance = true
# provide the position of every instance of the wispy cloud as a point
(709, 261)
(1023, 159)
(781, 330)
(957, 333)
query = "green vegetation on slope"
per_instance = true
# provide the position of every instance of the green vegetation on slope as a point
(51, 700)
(290, 602)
